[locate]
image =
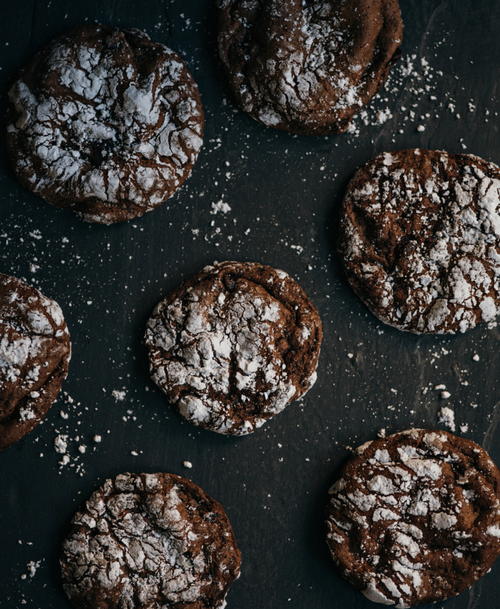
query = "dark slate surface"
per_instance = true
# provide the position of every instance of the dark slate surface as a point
(284, 193)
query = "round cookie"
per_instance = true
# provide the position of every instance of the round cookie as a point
(150, 541)
(234, 345)
(307, 67)
(105, 122)
(415, 517)
(35, 350)
(420, 239)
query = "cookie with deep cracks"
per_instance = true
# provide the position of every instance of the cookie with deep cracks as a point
(420, 240)
(307, 67)
(149, 540)
(35, 350)
(415, 517)
(234, 345)
(105, 122)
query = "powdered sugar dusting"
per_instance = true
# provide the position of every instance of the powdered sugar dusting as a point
(309, 74)
(440, 271)
(215, 351)
(72, 147)
(34, 355)
(398, 517)
(150, 538)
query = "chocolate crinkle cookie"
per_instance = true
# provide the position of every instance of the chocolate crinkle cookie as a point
(105, 122)
(420, 239)
(35, 350)
(415, 517)
(234, 345)
(307, 66)
(149, 541)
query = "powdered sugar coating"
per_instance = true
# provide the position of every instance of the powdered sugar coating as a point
(234, 345)
(34, 356)
(421, 240)
(307, 67)
(149, 540)
(105, 122)
(412, 517)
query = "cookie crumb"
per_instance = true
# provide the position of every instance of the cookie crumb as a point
(446, 416)
(220, 207)
(119, 394)
(32, 567)
(61, 444)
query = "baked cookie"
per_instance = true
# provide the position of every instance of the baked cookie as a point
(149, 541)
(415, 517)
(106, 122)
(420, 239)
(307, 67)
(234, 345)
(35, 350)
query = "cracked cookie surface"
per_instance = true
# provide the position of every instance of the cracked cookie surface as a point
(234, 345)
(307, 67)
(415, 517)
(35, 350)
(149, 541)
(420, 239)
(105, 122)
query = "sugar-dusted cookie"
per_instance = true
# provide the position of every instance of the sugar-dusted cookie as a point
(415, 517)
(150, 541)
(35, 350)
(105, 122)
(307, 67)
(420, 239)
(234, 345)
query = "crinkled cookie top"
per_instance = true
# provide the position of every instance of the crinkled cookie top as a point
(105, 122)
(421, 240)
(150, 541)
(34, 356)
(415, 517)
(307, 67)
(234, 345)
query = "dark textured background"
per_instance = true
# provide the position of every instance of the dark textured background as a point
(284, 191)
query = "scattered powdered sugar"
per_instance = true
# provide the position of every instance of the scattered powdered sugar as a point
(220, 207)
(61, 444)
(32, 567)
(119, 394)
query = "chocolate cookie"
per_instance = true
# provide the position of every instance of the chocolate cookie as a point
(149, 541)
(234, 345)
(307, 67)
(35, 351)
(420, 239)
(415, 517)
(105, 122)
